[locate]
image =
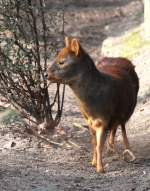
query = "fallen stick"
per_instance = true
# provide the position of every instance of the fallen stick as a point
(43, 138)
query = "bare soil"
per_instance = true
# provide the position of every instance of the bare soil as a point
(30, 164)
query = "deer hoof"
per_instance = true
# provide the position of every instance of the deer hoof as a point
(128, 155)
(111, 148)
(100, 169)
(94, 163)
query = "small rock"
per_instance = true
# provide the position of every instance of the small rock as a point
(13, 144)
(145, 101)
(144, 172)
(142, 109)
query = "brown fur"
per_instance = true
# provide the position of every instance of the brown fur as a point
(106, 94)
(117, 67)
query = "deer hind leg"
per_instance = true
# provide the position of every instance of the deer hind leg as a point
(100, 140)
(127, 153)
(111, 142)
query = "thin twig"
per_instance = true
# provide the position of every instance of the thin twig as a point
(45, 139)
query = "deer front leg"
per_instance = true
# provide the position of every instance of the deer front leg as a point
(94, 160)
(100, 140)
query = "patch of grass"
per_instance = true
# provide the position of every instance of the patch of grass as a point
(129, 45)
(133, 43)
(9, 116)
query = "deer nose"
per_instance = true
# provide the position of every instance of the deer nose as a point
(46, 75)
(50, 72)
(52, 68)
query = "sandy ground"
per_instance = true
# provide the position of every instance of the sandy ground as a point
(29, 164)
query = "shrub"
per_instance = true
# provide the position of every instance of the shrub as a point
(30, 32)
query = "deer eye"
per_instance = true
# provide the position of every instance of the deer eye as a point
(61, 63)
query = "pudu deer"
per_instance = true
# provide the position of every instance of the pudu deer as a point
(106, 93)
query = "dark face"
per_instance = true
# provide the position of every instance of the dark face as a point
(65, 68)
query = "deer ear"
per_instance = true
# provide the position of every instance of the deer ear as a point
(67, 42)
(75, 46)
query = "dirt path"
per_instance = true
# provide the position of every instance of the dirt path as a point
(28, 164)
